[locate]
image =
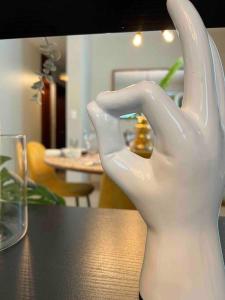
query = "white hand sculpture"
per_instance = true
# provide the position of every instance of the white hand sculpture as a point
(179, 190)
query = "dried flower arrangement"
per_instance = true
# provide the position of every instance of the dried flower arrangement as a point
(52, 54)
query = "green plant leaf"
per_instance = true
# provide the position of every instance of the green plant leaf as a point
(4, 176)
(42, 195)
(3, 159)
(165, 82)
(11, 189)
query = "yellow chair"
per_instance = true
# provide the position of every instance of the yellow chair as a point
(45, 175)
(111, 196)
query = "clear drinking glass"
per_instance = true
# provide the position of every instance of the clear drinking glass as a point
(13, 177)
(91, 143)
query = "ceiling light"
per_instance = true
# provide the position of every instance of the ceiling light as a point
(137, 39)
(168, 36)
(63, 77)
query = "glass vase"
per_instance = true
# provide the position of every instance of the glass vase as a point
(13, 180)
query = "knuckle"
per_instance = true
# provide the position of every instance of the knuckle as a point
(101, 97)
(145, 84)
(149, 89)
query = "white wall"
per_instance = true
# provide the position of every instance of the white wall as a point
(115, 51)
(77, 93)
(18, 62)
(78, 87)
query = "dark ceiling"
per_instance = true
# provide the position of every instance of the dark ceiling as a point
(69, 17)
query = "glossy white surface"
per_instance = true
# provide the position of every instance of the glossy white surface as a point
(179, 190)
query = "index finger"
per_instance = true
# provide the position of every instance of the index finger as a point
(199, 81)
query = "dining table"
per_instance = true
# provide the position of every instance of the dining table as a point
(77, 253)
(87, 163)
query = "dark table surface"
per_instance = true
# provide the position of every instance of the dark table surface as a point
(75, 253)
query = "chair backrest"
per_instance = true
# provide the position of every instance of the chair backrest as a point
(111, 196)
(38, 170)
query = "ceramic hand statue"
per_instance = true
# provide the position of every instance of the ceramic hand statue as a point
(179, 190)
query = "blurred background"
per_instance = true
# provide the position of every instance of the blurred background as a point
(46, 84)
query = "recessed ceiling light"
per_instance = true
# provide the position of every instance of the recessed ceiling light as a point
(168, 36)
(137, 39)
